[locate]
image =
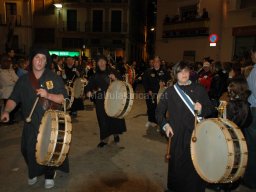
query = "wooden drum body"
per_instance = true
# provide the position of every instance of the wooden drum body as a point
(54, 137)
(220, 152)
(70, 92)
(119, 99)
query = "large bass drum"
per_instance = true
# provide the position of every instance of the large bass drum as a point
(78, 87)
(119, 99)
(54, 137)
(220, 153)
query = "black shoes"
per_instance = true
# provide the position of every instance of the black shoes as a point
(116, 139)
(101, 144)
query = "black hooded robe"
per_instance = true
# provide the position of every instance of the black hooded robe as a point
(182, 176)
(25, 94)
(108, 125)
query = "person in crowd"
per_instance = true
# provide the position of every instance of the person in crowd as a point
(218, 84)
(182, 175)
(96, 90)
(22, 67)
(153, 80)
(250, 133)
(205, 14)
(8, 79)
(205, 75)
(71, 74)
(43, 83)
(54, 64)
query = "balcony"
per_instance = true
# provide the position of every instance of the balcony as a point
(16, 19)
(88, 27)
(188, 28)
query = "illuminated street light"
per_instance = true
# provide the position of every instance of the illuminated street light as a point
(58, 5)
(152, 29)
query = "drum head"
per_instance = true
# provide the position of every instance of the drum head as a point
(78, 88)
(44, 136)
(210, 152)
(115, 98)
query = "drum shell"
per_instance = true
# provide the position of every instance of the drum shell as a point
(233, 144)
(54, 138)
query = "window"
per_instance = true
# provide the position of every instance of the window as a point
(116, 21)
(71, 20)
(247, 3)
(44, 35)
(97, 21)
(11, 9)
(72, 43)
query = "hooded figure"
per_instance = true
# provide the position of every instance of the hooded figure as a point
(96, 90)
(39, 81)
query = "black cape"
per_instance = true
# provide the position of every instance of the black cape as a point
(99, 84)
(182, 176)
(25, 94)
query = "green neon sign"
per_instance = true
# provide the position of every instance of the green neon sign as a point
(65, 53)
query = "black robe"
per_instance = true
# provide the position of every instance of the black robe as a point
(182, 176)
(25, 94)
(99, 84)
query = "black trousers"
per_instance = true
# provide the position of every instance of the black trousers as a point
(151, 102)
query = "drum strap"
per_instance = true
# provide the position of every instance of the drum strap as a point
(45, 103)
(186, 99)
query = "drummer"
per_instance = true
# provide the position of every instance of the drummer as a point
(181, 172)
(71, 74)
(153, 80)
(96, 90)
(42, 82)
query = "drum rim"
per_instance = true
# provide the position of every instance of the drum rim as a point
(53, 137)
(231, 159)
(130, 99)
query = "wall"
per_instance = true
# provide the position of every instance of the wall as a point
(224, 16)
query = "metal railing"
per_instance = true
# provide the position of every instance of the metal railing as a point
(105, 27)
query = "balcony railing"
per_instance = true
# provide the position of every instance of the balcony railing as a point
(190, 28)
(16, 19)
(89, 27)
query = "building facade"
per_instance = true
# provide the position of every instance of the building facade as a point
(92, 26)
(184, 27)
(15, 25)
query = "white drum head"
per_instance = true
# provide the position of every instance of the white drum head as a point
(210, 152)
(115, 98)
(44, 136)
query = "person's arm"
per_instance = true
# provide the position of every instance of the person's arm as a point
(10, 105)
(161, 114)
(252, 82)
(207, 107)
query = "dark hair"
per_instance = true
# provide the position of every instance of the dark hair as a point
(4, 61)
(238, 89)
(179, 67)
(254, 48)
(54, 56)
(217, 66)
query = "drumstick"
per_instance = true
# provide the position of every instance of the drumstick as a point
(168, 152)
(194, 138)
(28, 119)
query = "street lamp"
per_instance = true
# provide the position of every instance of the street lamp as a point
(58, 5)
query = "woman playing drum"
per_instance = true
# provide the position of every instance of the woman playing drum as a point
(181, 173)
